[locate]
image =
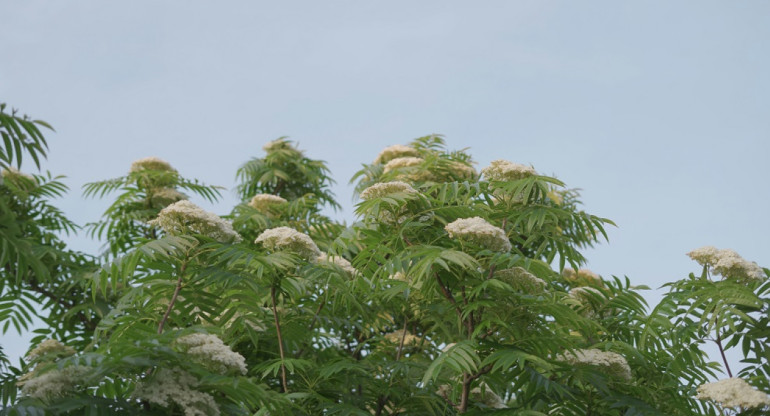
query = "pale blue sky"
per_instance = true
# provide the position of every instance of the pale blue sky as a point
(657, 109)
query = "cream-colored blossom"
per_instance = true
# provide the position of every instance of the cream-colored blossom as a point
(611, 363)
(211, 352)
(733, 392)
(401, 276)
(380, 190)
(339, 261)
(582, 277)
(462, 171)
(285, 238)
(278, 144)
(727, 263)
(176, 386)
(520, 279)
(11, 174)
(53, 383)
(151, 163)
(50, 347)
(265, 203)
(402, 162)
(184, 217)
(393, 152)
(166, 196)
(395, 337)
(503, 170)
(479, 231)
(585, 293)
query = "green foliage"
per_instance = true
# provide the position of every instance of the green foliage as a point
(404, 312)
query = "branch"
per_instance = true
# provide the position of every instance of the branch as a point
(280, 341)
(173, 297)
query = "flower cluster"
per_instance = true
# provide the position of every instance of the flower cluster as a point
(50, 347)
(520, 279)
(479, 231)
(727, 263)
(384, 189)
(400, 276)
(504, 170)
(612, 363)
(166, 196)
(393, 152)
(285, 238)
(402, 162)
(176, 386)
(395, 337)
(582, 277)
(462, 170)
(212, 353)
(278, 144)
(53, 383)
(151, 163)
(338, 261)
(184, 217)
(13, 174)
(265, 203)
(733, 392)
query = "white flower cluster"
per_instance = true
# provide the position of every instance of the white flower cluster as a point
(520, 279)
(52, 383)
(166, 196)
(285, 238)
(479, 231)
(727, 263)
(211, 352)
(582, 277)
(383, 189)
(395, 337)
(612, 363)
(338, 261)
(462, 170)
(401, 276)
(151, 163)
(170, 386)
(11, 173)
(184, 217)
(504, 170)
(396, 151)
(265, 203)
(402, 162)
(50, 347)
(278, 144)
(585, 294)
(733, 392)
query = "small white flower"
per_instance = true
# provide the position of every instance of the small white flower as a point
(265, 203)
(503, 170)
(11, 174)
(392, 152)
(733, 392)
(50, 346)
(176, 386)
(612, 363)
(211, 352)
(53, 383)
(151, 163)
(395, 337)
(727, 263)
(520, 279)
(479, 231)
(384, 189)
(338, 261)
(184, 217)
(402, 162)
(285, 238)
(582, 276)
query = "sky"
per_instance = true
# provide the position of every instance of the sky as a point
(657, 110)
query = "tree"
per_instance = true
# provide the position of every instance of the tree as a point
(453, 292)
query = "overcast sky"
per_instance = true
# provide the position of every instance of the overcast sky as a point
(658, 110)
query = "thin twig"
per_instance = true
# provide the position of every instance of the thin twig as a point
(280, 341)
(173, 298)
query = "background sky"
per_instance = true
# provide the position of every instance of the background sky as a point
(658, 110)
